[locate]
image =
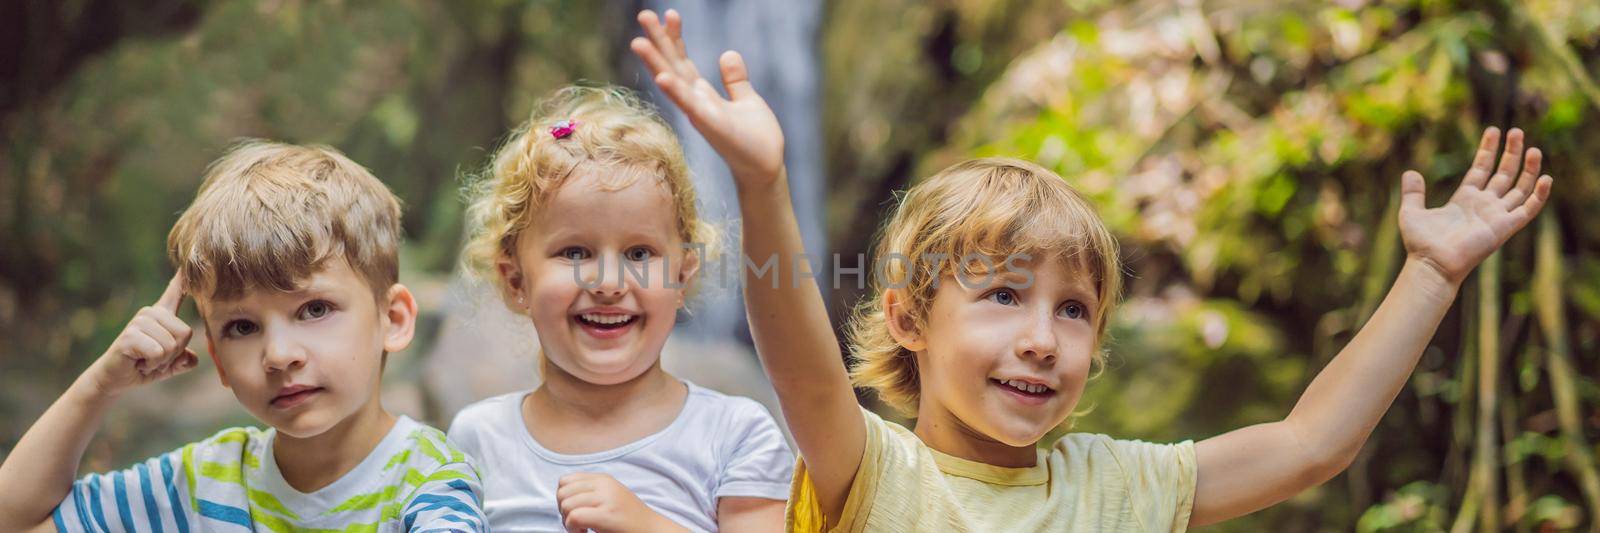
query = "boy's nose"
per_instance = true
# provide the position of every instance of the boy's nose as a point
(1037, 340)
(283, 354)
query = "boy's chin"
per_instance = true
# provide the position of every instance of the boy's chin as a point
(307, 423)
(304, 426)
(1020, 432)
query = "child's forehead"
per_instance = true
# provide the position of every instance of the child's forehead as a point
(611, 180)
(333, 277)
(1064, 267)
(636, 203)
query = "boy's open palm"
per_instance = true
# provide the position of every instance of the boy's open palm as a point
(1492, 203)
(740, 127)
(153, 347)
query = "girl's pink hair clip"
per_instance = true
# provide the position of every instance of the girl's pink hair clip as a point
(563, 129)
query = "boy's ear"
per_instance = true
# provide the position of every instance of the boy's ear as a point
(901, 326)
(211, 350)
(400, 318)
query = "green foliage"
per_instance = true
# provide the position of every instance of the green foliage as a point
(98, 165)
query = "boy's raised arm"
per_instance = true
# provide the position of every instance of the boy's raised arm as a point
(44, 463)
(1254, 467)
(787, 317)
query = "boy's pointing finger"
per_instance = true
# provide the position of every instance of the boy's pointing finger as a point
(173, 297)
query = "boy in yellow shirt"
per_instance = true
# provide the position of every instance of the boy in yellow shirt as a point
(995, 280)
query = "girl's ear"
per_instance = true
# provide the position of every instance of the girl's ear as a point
(511, 275)
(401, 314)
(690, 268)
(901, 325)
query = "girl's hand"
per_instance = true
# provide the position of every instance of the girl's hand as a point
(599, 502)
(1491, 205)
(153, 347)
(742, 129)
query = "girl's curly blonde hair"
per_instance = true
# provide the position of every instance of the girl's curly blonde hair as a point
(993, 207)
(613, 129)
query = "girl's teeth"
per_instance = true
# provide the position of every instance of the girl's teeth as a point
(606, 319)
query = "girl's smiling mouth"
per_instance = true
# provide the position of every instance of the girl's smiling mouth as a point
(606, 323)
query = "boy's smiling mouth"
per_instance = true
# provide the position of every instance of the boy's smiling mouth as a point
(1027, 391)
(606, 323)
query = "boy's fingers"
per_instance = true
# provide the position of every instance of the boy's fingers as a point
(735, 78)
(1413, 191)
(173, 297)
(1483, 162)
(675, 31)
(1525, 182)
(681, 48)
(155, 329)
(652, 58)
(183, 363)
(680, 94)
(143, 347)
(658, 35)
(174, 326)
(1531, 207)
(1509, 162)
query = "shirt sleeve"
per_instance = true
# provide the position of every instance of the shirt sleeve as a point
(884, 461)
(449, 499)
(1161, 482)
(760, 465)
(150, 496)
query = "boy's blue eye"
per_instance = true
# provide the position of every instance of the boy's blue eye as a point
(573, 253)
(315, 309)
(1075, 310)
(1003, 297)
(638, 254)
(239, 328)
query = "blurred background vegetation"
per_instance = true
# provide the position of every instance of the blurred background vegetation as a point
(1246, 152)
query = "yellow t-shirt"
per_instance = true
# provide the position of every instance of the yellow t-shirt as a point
(1084, 482)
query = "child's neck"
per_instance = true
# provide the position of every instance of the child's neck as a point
(569, 415)
(311, 463)
(942, 431)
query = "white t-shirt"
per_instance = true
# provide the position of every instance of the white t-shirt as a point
(719, 446)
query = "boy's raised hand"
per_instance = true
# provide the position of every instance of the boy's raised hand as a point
(740, 127)
(1492, 203)
(153, 347)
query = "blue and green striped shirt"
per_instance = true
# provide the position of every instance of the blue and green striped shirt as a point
(413, 481)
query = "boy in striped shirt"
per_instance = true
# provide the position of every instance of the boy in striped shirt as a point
(291, 254)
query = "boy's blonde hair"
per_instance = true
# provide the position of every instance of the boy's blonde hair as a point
(269, 215)
(615, 130)
(993, 207)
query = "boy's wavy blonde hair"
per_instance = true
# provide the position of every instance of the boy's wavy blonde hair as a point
(270, 215)
(993, 207)
(615, 130)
